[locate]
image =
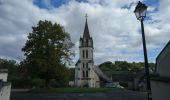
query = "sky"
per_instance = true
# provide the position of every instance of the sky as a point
(113, 26)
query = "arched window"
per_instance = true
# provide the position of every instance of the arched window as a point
(83, 65)
(86, 53)
(83, 53)
(87, 65)
(83, 74)
(87, 74)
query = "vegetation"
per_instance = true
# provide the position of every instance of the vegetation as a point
(47, 51)
(109, 68)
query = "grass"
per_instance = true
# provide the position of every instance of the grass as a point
(79, 90)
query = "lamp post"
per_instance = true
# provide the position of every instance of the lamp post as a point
(140, 12)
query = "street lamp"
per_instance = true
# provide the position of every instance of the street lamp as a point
(140, 12)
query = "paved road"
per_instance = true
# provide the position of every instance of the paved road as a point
(78, 96)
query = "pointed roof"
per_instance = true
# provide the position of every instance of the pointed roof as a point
(86, 33)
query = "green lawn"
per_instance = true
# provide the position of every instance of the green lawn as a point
(79, 90)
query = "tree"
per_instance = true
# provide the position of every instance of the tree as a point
(47, 51)
(122, 65)
(106, 65)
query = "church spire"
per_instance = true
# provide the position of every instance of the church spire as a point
(86, 33)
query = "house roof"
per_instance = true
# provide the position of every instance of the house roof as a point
(3, 70)
(163, 50)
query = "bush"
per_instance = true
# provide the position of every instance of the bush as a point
(21, 82)
(38, 83)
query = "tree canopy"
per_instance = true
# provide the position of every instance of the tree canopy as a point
(47, 51)
(108, 67)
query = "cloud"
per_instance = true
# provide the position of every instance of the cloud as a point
(112, 23)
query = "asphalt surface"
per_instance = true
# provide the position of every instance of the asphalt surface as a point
(78, 96)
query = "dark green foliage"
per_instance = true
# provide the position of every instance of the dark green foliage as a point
(21, 82)
(12, 66)
(47, 50)
(109, 68)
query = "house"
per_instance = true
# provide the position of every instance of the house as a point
(160, 82)
(5, 87)
(3, 74)
(129, 80)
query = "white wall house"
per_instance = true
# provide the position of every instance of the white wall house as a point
(160, 83)
(3, 74)
(5, 90)
(5, 87)
(85, 75)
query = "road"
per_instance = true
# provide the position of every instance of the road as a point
(78, 96)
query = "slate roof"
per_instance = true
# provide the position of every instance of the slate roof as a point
(86, 33)
(163, 50)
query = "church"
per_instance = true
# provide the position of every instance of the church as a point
(85, 75)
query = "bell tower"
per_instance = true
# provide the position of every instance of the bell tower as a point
(84, 70)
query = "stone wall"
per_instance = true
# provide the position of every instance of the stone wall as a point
(5, 90)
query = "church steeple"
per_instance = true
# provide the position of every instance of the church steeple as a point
(86, 33)
(84, 71)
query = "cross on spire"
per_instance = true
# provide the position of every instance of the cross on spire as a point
(86, 17)
(86, 29)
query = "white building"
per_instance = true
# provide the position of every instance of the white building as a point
(85, 75)
(160, 83)
(3, 74)
(5, 87)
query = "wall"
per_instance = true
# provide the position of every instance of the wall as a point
(3, 76)
(163, 62)
(5, 91)
(160, 90)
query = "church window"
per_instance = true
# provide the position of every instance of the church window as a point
(83, 53)
(83, 74)
(86, 53)
(83, 65)
(87, 74)
(87, 65)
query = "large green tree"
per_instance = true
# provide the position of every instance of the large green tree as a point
(47, 51)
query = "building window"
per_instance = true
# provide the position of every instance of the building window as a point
(86, 53)
(87, 65)
(83, 74)
(87, 74)
(83, 53)
(83, 65)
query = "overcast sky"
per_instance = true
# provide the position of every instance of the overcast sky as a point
(113, 26)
